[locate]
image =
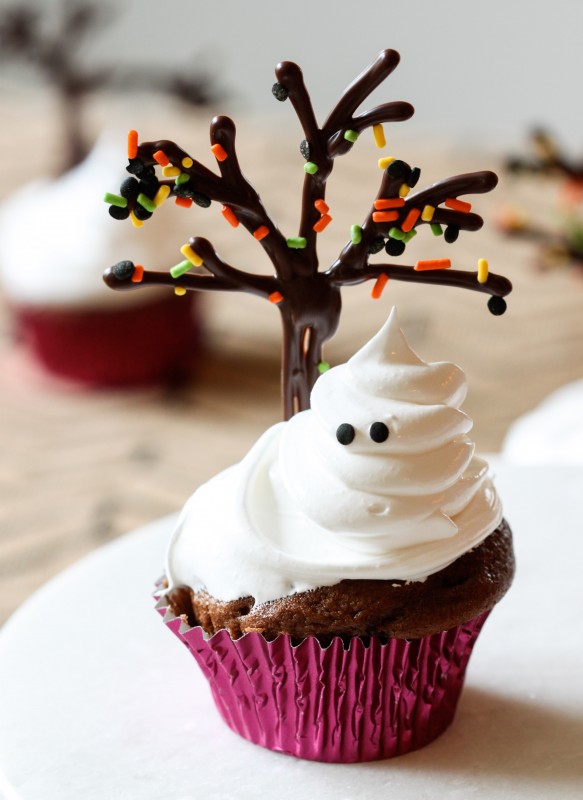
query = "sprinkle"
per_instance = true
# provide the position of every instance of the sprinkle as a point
(230, 216)
(180, 291)
(184, 177)
(436, 263)
(279, 91)
(379, 135)
(427, 213)
(482, 270)
(261, 232)
(297, 242)
(413, 178)
(170, 172)
(394, 247)
(384, 162)
(219, 152)
(323, 366)
(355, 234)
(451, 233)
(275, 297)
(404, 190)
(115, 200)
(306, 149)
(138, 274)
(388, 202)
(187, 162)
(179, 269)
(379, 285)
(311, 168)
(161, 157)
(201, 199)
(123, 270)
(398, 169)
(385, 216)
(411, 219)
(497, 305)
(436, 229)
(408, 236)
(396, 233)
(375, 245)
(132, 144)
(146, 202)
(322, 223)
(161, 195)
(129, 188)
(321, 206)
(184, 202)
(350, 135)
(137, 223)
(118, 213)
(458, 205)
(193, 257)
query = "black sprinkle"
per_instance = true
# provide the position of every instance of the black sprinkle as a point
(119, 213)
(394, 247)
(123, 270)
(305, 149)
(497, 305)
(414, 176)
(201, 199)
(451, 233)
(149, 185)
(129, 188)
(345, 433)
(279, 92)
(376, 245)
(183, 191)
(398, 169)
(135, 166)
(142, 213)
(379, 432)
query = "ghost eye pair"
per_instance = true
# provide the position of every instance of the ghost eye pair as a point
(378, 432)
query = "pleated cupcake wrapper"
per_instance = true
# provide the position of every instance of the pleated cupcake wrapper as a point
(362, 703)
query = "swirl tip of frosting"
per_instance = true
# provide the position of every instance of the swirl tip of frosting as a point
(388, 346)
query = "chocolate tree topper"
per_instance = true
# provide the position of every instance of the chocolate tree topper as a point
(308, 299)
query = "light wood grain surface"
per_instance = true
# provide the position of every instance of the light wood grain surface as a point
(78, 468)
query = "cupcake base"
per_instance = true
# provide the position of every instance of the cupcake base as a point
(366, 701)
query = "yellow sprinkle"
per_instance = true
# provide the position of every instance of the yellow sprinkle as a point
(179, 290)
(187, 162)
(137, 223)
(384, 162)
(170, 172)
(404, 190)
(379, 135)
(427, 213)
(482, 270)
(161, 195)
(189, 253)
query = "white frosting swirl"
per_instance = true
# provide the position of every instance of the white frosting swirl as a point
(302, 510)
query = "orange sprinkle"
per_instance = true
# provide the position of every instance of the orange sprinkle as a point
(230, 216)
(322, 223)
(261, 232)
(321, 206)
(458, 205)
(385, 216)
(379, 285)
(161, 157)
(436, 263)
(219, 152)
(185, 202)
(132, 144)
(389, 202)
(275, 297)
(138, 274)
(411, 219)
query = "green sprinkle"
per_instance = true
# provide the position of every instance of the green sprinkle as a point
(184, 177)
(180, 269)
(323, 366)
(350, 136)
(297, 242)
(436, 229)
(145, 201)
(397, 233)
(408, 236)
(115, 200)
(311, 168)
(355, 234)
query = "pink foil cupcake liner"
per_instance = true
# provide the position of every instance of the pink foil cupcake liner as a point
(362, 703)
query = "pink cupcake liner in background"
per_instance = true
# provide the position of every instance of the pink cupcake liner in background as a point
(366, 702)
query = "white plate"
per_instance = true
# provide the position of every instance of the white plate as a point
(99, 701)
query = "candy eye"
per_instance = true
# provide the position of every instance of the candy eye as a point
(379, 432)
(345, 433)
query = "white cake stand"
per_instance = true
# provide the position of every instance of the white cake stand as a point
(99, 702)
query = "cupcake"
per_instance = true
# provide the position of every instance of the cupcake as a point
(332, 584)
